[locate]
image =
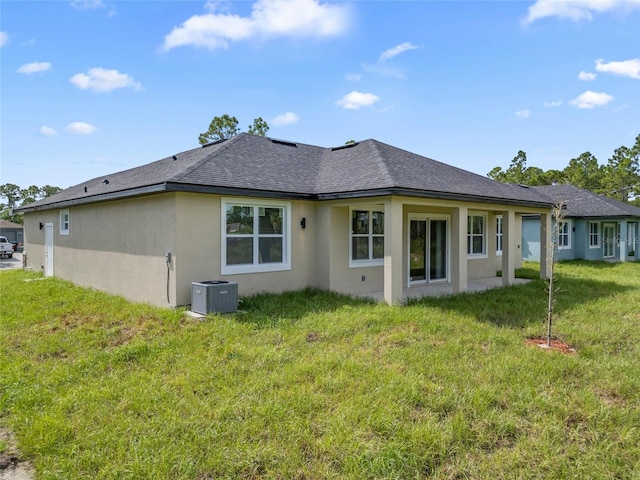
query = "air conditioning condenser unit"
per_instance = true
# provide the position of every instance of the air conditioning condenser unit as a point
(214, 296)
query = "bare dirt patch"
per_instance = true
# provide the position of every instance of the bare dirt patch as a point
(556, 345)
(12, 466)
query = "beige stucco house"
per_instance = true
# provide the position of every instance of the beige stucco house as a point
(273, 215)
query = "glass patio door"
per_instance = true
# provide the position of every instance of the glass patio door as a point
(632, 241)
(438, 247)
(609, 240)
(427, 250)
(417, 250)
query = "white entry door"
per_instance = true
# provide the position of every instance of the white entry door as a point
(48, 250)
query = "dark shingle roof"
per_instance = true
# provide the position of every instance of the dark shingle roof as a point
(584, 203)
(261, 166)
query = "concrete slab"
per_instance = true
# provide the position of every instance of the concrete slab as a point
(11, 263)
(437, 289)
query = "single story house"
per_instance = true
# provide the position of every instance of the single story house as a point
(13, 231)
(591, 227)
(275, 215)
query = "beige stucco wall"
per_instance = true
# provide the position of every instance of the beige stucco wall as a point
(198, 249)
(34, 237)
(113, 246)
(119, 246)
(342, 278)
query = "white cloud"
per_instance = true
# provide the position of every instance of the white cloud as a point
(591, 99)
(80, 128)
(285, 119)
(47, 131)
(102, 80)
(587, 76)
(4, 39)
(87, 4)
(397, 50)
(353, 77)
(35, 67)
(577, 9)
(357, 100)
(269, 18)
(627, 68)
(553, 104)
(523, 113)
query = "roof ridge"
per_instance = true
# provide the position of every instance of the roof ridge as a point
(214, 152)
(382, 160)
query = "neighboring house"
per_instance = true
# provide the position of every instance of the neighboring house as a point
(273, 215)
(13, 231)
(593, 227)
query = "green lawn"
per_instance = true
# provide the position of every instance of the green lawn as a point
(313, 385)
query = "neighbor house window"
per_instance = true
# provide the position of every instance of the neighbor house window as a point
(255, 236)
(499, 235)
(64, 222)
(594, 235)
(367, 237)
(564, 235)
(476, 235)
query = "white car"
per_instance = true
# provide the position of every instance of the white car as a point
(6, 247)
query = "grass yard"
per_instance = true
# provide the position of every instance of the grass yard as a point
(314, 385)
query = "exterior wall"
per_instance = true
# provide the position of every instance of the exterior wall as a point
(113, 246)
(120, 246)
(531, 239)
(580, 248)
(198, 255)
(580, 234)
(343, 278)
(519, 243)
(323, 238)
(34, 237)
(590, 253)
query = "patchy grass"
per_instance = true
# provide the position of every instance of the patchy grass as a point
(315, 385)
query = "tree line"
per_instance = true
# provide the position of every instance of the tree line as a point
(12, 197)
(619, 178)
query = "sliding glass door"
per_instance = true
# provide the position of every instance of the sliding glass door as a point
(438, 250)
(428, 250)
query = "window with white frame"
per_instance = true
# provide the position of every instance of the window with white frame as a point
(64, 222)
(594, 235)
(499, 235)
(564, 235)
(255, 236)
(367, 236)
(476, 235)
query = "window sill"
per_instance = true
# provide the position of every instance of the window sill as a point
(243, 269)
(366, 263)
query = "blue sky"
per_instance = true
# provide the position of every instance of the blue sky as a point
(93, 87)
